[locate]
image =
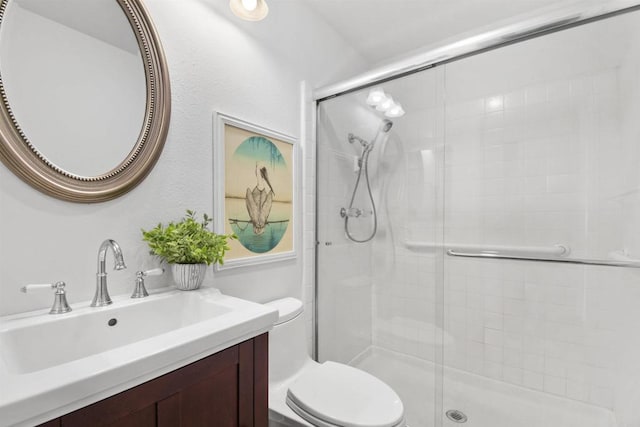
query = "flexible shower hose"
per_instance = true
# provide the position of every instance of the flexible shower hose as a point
(365, 166)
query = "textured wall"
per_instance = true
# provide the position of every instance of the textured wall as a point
(216, 63)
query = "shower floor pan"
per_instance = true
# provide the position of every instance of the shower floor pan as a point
(485, 402)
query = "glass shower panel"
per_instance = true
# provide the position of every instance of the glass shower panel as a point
(379, 300)
(542, 153)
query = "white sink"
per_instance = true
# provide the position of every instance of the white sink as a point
(59, 363)
(65, 338)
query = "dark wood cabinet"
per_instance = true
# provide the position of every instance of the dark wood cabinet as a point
(226, 389)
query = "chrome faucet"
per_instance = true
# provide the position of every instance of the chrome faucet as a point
(102, 298)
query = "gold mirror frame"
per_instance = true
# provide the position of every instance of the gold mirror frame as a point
(24, 159)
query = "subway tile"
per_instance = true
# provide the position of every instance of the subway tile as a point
(493, 337)
(475, 332)
(601, 396)
(493, 321)
(534, 345)
(514, 99)
(514, 307)
(555, 385)
(535, 95)
(513, 341)
(475, 366)
(514, 324)
(493, 370)
(534, 362)
(493, 304)
(513, 357)
(494, 103)
(577, 390)
(513, 289)
(533, 380)
(493, 353)
(555, 367)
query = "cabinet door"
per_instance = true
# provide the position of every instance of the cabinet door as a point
(227, 389)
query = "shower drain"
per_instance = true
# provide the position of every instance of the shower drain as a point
(456, 416)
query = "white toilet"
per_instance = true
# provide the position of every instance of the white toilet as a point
(306, 393)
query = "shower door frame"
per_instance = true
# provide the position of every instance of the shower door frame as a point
(537, 26)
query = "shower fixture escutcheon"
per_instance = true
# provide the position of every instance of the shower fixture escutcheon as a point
(350, 212)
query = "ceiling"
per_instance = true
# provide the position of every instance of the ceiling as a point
(382, 30)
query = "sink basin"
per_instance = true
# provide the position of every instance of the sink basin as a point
(79, 334)
(51, 365)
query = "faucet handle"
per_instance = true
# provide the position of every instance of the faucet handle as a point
(153, 272)
(60, 304)
(36, 287)
(140, 291)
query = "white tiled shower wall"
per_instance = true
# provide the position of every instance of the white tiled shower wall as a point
(523, 180)
(540, 147)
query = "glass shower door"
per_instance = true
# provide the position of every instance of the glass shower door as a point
(380, 232)
(542, 161)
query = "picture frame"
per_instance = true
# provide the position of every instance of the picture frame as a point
(254, 191)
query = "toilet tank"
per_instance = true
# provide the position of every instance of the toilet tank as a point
(287, 340)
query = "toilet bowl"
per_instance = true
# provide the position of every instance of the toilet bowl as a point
(303, 392)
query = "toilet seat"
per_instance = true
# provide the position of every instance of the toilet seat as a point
(334, 395)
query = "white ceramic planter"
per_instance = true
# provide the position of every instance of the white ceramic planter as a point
(188, 277)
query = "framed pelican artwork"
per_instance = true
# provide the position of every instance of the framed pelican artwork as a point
(254, 192)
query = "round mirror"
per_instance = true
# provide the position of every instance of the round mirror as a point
(85, 95)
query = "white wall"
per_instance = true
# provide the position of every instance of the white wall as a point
(216, 63)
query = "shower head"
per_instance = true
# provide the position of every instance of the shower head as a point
(383, 133)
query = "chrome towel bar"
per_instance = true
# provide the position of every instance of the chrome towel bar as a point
(606, 263)
(557, 250)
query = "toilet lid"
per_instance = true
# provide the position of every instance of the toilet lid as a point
(346, 396)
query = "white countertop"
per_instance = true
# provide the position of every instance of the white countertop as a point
(36, 395)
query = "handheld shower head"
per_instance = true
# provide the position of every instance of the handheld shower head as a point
(383, 133)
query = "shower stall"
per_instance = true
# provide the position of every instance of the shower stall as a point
(478, 248)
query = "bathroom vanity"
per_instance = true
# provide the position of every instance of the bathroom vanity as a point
(197, 358)
(227, 389)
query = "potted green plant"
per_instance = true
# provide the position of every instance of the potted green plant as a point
(188, 246)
